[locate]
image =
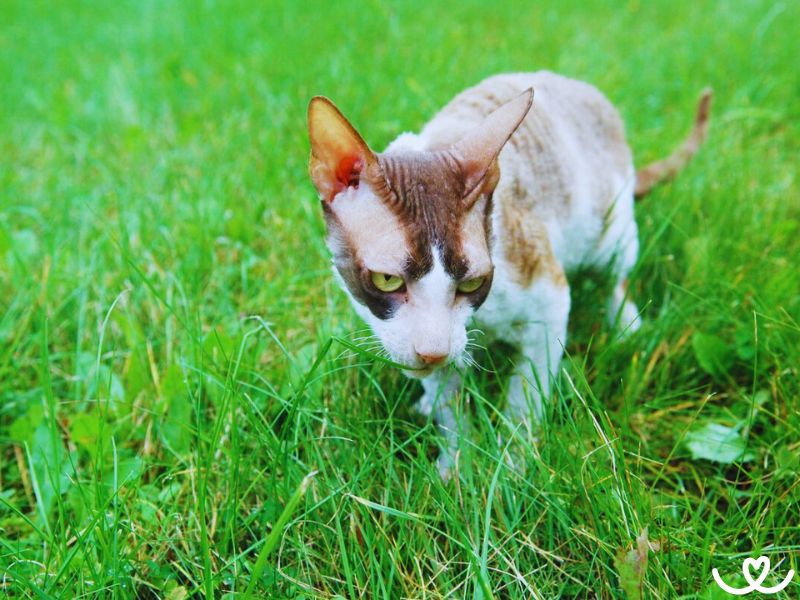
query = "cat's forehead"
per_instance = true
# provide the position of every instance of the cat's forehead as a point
(425, 190)
(423, 183)
(410, 206)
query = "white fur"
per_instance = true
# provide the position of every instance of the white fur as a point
(372, 228)
(406, 142)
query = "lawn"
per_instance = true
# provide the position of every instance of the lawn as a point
(182, 410)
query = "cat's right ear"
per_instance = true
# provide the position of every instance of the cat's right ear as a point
(339, 155)
(477, 151)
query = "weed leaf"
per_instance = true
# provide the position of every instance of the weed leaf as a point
(718, 443)
(712, 354)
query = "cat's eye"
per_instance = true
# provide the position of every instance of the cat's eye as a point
(470, 285)
(385, 282)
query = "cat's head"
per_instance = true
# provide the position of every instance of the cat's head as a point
(410, 231)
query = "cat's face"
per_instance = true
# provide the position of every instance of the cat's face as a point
(404, 250)
(410, 232)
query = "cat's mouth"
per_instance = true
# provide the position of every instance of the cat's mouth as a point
(421, 370)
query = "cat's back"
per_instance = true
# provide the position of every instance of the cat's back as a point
(573, 136)
(565, 112)
(566, 165)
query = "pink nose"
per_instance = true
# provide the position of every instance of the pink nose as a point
(431, 359)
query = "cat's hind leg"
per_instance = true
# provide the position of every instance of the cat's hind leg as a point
(618, 251)
(622, 313)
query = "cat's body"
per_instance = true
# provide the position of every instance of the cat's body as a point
(462, 203)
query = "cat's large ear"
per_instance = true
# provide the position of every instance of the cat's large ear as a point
(477, 151)
(339, 155)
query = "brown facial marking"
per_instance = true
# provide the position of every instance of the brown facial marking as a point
(426, 192)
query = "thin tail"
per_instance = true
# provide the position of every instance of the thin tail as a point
(666, 168)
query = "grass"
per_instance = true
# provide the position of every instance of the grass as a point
(170, 373)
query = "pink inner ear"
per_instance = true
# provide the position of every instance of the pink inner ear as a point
(348, 173)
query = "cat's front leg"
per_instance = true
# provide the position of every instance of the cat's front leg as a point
(441, 393)
(541, 346)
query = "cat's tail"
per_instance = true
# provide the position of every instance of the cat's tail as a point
(663, 170)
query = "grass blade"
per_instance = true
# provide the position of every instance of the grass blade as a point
(274, 535)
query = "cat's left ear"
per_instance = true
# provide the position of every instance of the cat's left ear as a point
(339, 155)
(477, 151)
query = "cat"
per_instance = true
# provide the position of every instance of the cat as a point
(481, 215)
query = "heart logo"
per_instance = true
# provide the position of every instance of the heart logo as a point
(761, 563)
(748, 566)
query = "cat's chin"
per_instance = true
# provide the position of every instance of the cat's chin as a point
(419, 373)
(415, 372)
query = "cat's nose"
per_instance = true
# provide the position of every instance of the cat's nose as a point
(432, 359)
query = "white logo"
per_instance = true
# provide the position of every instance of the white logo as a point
(761, 562)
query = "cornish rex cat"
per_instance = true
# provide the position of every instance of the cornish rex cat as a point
(486, 208)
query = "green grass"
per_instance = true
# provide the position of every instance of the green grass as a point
(168, 378)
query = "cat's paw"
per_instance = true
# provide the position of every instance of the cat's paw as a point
(524, 432)
(623, 314)
(518, 456)
(518, 449)
(629, 319)
(424, 405)
(524, 409)
(446, 464)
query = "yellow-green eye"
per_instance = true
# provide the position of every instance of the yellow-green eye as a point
(470, 285)
(386, 283)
